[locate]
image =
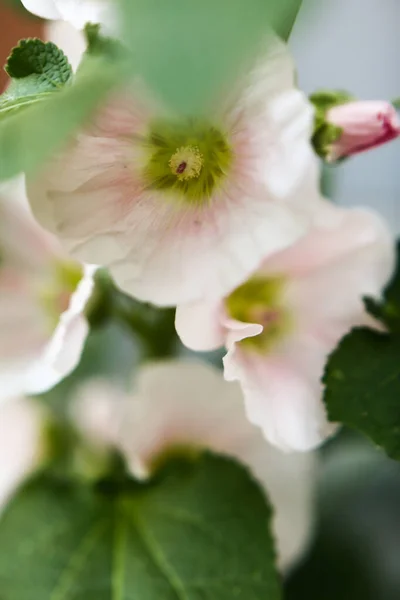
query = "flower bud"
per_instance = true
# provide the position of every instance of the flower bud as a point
(362, 125)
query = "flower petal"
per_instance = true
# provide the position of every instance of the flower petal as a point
(333, 268)
(21, 449)
(280, 397)
(64, 350)
(169, 251)
(199, 325)
(47, 9)
(187, 403)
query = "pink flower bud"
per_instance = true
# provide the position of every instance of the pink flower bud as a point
(365, 125)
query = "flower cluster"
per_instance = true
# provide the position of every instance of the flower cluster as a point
(222, 217)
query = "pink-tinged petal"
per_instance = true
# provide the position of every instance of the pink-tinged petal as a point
(236, 331)
(187, 254)
(333, 268)
(96, 410)
(156, 248)
(290, 482)
(326, 275)
(187, 403)
(199, 325)
(160, 247)
(365, 125)
(47, 9)
(64, 350)
(21, 446)
(16, 224)
(272, 125)
(280, 397)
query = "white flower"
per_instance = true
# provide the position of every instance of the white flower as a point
(280, 326)
(187, 403)
(176, 207)
(21, 445)
(76, 12)
(42, 298)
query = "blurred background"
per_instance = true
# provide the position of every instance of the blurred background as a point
(355, 554)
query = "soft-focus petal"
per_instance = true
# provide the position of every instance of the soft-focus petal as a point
(64, 350)
(76, 12)
(47, 9)
(198, 325)
(187, 403)
(21, 445)
(80, 12)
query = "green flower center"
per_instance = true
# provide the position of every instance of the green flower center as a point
(190, 159)
(259, 300)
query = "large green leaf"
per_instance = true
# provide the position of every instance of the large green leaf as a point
(362, 381)
(199, 532)
(190, 52)
(31, 136)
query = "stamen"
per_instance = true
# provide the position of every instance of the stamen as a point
(186, 163)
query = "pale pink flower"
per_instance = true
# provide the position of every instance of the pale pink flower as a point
(365, 124)
(280, 326)
(22, 445)
(42, 299)
(187, 404)
(179, 207)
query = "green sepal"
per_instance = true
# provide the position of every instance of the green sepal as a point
(325, 134)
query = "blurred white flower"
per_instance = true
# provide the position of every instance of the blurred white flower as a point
(70, 40)
(178, 208)
(280, 326)
(188, 404)
(42, 299)
(76, 12)
(22, 447)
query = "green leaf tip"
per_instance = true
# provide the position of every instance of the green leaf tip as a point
(43, 59)
(362, 386)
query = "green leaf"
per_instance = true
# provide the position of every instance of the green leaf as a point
(362, 391)
(388, 310)
(43, 59)
(283, 16)
(190, 53)
(37, 69)
(10, 106)
(30, 137)
(201, 531)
